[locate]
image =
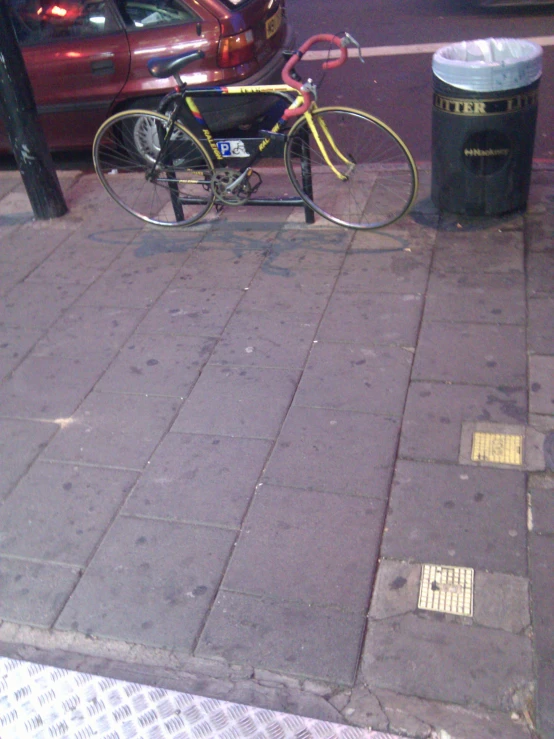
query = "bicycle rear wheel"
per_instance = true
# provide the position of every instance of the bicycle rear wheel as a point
(168, 189)
(381, 176)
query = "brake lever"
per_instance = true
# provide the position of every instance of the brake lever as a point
(349, 40)
(310, 87)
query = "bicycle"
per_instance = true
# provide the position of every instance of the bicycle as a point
(345, 164)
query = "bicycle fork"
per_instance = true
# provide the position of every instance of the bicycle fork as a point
(331, 141)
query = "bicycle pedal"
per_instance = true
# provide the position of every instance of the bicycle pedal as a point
(254, 181)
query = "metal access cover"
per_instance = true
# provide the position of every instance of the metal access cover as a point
(446, 589)
(40, 702)
(497, 448)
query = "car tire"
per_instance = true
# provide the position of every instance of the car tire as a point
(143, 139)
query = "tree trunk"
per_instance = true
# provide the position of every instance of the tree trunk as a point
(19, 112)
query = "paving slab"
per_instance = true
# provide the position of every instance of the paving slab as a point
(10, 181)
(162, 575)
(74, 262)
(191, 311)
(545, 699)
(463, 516)
(541, 384)
(16, 209)
(499, 601)
(541, 557)
(476, 297)
(377, 376)
(224, 264)
(299, 292)
(49, 388)
(372, 319)
(542, 507)
(293, 251)
(298, 545)
(252, 401)
(409, 234)
(265, 339)
(540, 330)
(421, 718)
(20, 444)
(167, 246)
(291, 638)
(59, 513)
(390, 268)
(15, 344)
(435, 413)
(89, 330)
(328, 450)
(486, 354)
(36, 305)
(462, 664)
(540, 270)
(502, 601)
(240, 236)
(131, 283)
(157, 364)
(488, 250)
(86, 200)
(200, 479)
(33, 592)
(114, 429)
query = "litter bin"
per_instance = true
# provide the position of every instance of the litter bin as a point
(485, 102)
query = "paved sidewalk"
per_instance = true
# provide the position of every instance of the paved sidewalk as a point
(227, 452)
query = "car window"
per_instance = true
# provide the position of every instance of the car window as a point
(148, 13)
(36, 21)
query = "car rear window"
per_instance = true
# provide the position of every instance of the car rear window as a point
(148, 13)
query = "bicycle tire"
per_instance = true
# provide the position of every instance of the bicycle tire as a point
(381, 184)
(176, 191)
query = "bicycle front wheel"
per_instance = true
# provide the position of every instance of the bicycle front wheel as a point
(373, 178)
(158, 174)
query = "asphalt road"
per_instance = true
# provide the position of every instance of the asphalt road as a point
(398, 87)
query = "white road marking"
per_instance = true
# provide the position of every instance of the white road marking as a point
(369, 51)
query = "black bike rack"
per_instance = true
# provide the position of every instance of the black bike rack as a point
(265, 125)
(309, 215)
(262, 131)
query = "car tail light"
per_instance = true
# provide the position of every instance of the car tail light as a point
(236, 49)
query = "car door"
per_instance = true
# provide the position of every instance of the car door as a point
(77, 56)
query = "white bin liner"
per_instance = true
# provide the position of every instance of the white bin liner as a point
(489, 65)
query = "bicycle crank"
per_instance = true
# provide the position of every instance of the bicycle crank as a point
(233, 187)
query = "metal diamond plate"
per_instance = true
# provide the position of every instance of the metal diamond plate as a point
(446, 589)
(41, 702)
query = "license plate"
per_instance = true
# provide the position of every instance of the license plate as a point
(273, 24)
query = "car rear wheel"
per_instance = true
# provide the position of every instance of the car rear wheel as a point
(141, 133)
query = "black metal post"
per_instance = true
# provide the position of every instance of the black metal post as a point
(306, 169)
(19, 112)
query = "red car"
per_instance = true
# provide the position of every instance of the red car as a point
(87, 58)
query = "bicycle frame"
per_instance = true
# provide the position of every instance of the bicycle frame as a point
(280, 90)
(188, 97)
(184, 97)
